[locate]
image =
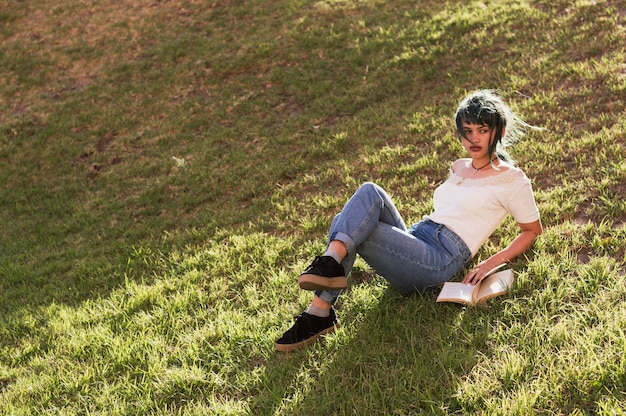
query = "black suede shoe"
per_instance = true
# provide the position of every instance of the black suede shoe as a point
(306, 330)
(323, 274)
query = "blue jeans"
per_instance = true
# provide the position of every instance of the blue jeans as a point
(411, 260)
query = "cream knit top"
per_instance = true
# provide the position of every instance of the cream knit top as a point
(474, 208)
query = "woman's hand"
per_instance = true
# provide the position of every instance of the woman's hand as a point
(479, 272)
(519, 245)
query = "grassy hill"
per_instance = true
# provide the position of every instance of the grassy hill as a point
(168, 168)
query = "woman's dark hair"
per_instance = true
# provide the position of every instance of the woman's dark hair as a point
(485, 107)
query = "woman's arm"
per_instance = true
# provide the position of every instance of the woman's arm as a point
(518, 246)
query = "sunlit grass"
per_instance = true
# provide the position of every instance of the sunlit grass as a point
(169, 168)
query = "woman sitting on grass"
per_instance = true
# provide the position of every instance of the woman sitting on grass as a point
(477, 196)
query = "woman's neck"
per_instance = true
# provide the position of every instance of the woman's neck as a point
(482, 163)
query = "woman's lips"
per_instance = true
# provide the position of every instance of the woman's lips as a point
(475, 148)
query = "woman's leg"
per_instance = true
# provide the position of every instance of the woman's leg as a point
(410, 260)
(369, 206)
(425, 256)
(362, 214)
(414, 260)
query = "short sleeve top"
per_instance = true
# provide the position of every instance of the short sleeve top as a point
(474, 208)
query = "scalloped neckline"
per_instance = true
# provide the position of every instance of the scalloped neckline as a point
(498, 178)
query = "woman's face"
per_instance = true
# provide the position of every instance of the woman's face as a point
(477, 139)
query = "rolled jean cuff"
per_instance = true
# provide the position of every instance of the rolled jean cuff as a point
(329, 296)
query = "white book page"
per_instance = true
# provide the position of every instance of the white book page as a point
(495, 269)
(453, 290)
(496, 284)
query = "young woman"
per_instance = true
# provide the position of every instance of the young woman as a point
(477, 196)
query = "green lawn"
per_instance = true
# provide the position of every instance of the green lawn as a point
(169, 167)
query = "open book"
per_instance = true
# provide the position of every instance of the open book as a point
(493, 285)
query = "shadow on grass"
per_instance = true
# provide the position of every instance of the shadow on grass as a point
(402, 355)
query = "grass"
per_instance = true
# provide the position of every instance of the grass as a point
(168, 168)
